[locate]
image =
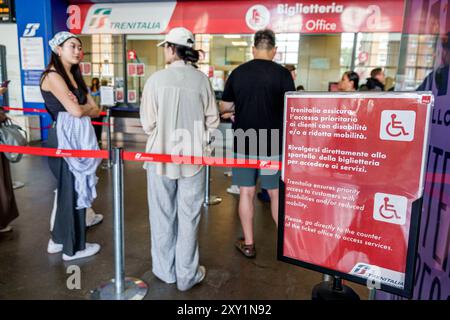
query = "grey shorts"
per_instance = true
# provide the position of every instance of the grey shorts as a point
(247, 177)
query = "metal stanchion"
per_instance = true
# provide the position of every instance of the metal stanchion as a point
(108, 164)
(209, 199)
(119, 288)
(327, 277)
(333, 290)
(372, 293)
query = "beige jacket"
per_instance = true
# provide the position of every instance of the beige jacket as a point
(178, 111)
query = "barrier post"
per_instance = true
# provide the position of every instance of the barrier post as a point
(209, 199)
(327, 277)
(372, 293)
(108, 138)
(119, 288)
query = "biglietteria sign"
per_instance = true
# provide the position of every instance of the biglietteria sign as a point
(239, 17)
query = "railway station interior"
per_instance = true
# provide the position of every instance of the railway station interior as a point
(318, 41)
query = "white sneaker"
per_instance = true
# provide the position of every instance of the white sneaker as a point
(92, 218)
(201, 274)
(234, 189)
(54, 247)
(91, 249)
(17, 185)
(6, 229)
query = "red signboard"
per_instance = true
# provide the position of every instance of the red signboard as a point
(290, 16)
(132, 69)
(131, 54)
(242, 17)
(85, 68)
(352, 181)
(140, 69)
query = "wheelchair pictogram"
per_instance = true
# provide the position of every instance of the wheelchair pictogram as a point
(390, 208)
(397, 125)
(388, 211)
(395, 128)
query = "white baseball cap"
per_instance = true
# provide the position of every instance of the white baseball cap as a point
(180, 36)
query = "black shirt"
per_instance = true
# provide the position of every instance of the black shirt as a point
(54, 106)
(257, 89)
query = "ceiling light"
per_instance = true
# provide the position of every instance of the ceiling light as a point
(239, 43)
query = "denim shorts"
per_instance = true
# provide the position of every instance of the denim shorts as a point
(247, 177)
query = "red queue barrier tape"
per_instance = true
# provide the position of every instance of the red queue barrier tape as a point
(26, 109)
(95, 123)
(103, 113)
(52, 152)
(151, 157)
(211, 161)
(166, 158)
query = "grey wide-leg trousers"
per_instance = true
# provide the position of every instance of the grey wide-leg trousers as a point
(175, 207)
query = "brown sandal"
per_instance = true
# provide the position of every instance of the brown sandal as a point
(247, 250)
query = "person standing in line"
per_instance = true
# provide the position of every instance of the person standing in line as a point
(70, 106)
(94, 91)
(264, 195)
(177, 99)
(375, 82)
(349, 82)
(8, 205)
(255, 91)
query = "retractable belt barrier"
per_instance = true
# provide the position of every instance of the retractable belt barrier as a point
(36, 110)
(95, 123)
(146, 157)
(121, 287)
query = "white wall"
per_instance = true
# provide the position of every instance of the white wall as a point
(8, 38)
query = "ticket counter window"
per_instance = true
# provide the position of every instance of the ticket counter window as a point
(103, 59)
(377, 50)
(143, 58)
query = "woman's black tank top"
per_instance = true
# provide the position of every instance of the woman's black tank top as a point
(53, 105)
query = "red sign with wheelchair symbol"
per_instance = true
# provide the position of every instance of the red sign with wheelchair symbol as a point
(353, 171)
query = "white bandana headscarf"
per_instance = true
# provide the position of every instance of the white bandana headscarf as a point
(59, 38)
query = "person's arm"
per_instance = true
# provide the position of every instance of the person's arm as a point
(96, 109)
(148, 109)
(59, 89)
(228, 97)
(212, 119)
(288, 82)
(226, 107)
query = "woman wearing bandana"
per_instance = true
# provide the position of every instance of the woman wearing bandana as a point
(71, 106)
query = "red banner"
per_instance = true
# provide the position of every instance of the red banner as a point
(241, 17)
(354, 170)
(290, 16)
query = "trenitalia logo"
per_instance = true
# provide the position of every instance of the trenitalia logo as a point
(139, 156)
(59, 152)
(100, 16)
(361, 269)
(268, 165)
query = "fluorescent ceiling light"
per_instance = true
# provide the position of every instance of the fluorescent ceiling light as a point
(239, 43)
(232, 36)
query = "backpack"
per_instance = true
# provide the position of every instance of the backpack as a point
(14, 135)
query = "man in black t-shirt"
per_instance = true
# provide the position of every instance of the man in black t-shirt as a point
(255, 92)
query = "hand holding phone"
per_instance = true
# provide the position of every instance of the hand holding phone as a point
(5, 83)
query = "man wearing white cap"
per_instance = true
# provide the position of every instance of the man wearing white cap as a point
(177, 100)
